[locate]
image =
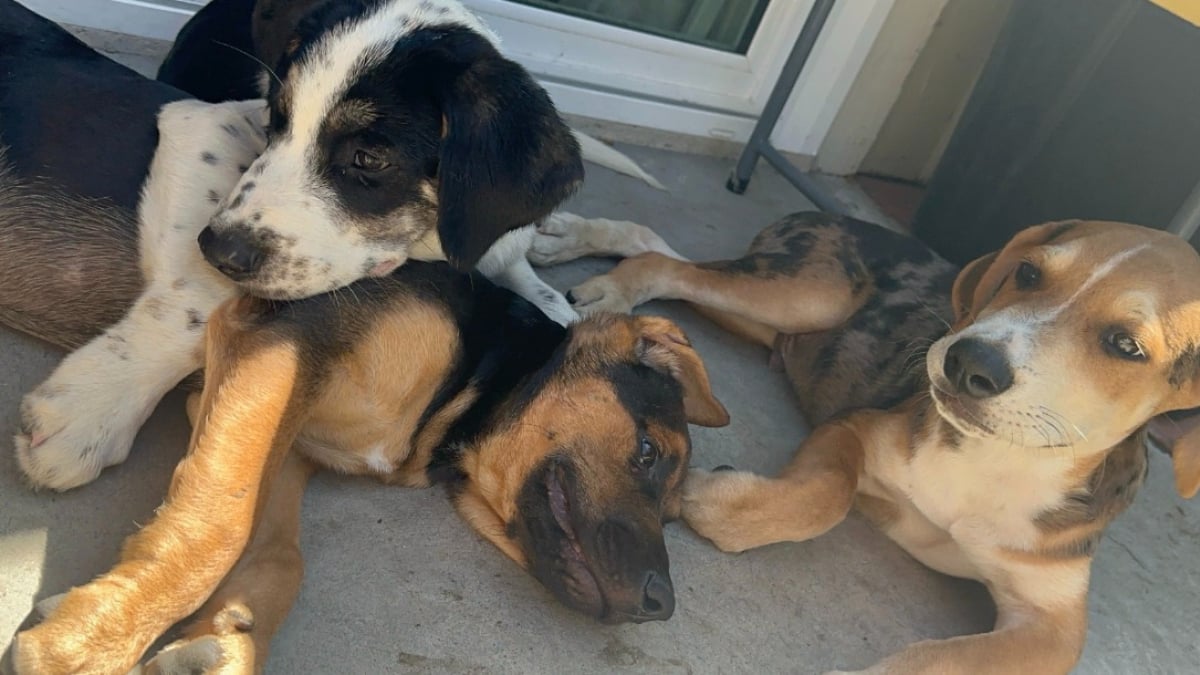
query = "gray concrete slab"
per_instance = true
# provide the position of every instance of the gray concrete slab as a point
(395, 583)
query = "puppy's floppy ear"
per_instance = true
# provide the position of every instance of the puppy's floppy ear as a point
(981, 278)
(962, 296)
(663, 346)
(507, 159)
(1185, 458)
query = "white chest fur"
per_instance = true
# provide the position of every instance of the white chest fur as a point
(985, 492)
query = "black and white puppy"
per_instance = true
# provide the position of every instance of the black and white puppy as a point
(386, 117)
(395, 129)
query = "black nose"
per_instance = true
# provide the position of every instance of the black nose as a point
(231, 252)
(978, 369)
(658, 597)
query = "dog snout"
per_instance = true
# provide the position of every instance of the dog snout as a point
(977, 368)
(232, 252)
(658, 597)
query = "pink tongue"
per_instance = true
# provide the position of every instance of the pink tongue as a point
(384, 268)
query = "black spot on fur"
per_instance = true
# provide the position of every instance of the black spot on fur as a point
(236, 202)
(194, 320)
(231, 130)
(214, 197)
(1108, 491)
(208, 157)
(242, 168)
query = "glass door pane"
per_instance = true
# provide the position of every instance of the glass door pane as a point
(728, 25)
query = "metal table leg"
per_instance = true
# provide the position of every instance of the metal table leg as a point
(1187, 218)
(759, 144)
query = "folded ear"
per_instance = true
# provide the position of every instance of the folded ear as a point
(1185, 457)
(962, 296)
(981, 278)
(664, 347)
(507, 159)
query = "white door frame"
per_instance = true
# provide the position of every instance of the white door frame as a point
(621, 75)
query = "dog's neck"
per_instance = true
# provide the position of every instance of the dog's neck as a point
(509, 349)
(1084, 488)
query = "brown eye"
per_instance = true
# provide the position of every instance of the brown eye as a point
(369, 162)
(1027, 276)
(647, 454)
(1124, 345)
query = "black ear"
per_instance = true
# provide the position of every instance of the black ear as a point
(507, 158)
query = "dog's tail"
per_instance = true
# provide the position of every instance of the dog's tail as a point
(598, 153)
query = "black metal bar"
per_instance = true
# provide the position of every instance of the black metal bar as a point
(806, 184)
(1187, 219)
(759, 144)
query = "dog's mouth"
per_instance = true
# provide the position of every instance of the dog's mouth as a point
(574, 575)
(958, 413)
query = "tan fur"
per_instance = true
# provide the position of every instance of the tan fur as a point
(367, 412)
(245, 428)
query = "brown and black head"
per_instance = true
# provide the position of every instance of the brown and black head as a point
(575, 472)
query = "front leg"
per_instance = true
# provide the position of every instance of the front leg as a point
(255, 398)
(85, 416)
(739, 510)
(522, 280)
(1026, 639)
(232, 632)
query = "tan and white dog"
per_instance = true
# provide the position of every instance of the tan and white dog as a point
(1004, 458)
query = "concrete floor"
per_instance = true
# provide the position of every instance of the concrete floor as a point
(396, 583)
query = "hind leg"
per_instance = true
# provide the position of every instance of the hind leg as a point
(800, 275)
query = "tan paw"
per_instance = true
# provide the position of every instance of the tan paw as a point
(82, 631)
(600, 294)
(712, 506)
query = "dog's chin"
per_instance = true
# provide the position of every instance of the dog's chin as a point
(299, 291)
(959, 414)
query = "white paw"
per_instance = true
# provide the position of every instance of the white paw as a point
(68, 435)
(600, 294)
(201, 655)
(560, 238)
(554, 305)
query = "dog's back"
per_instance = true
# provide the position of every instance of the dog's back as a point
(875, 359)
(49, 78)
(77, 132)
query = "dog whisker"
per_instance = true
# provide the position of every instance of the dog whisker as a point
(252, 57)
(935, 314)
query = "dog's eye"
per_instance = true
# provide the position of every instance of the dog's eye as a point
(647, 454)
(1124, 346)
(369, 162)
(1027, 275)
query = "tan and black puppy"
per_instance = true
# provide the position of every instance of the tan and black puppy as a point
(1001, 455)
(567, 449)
